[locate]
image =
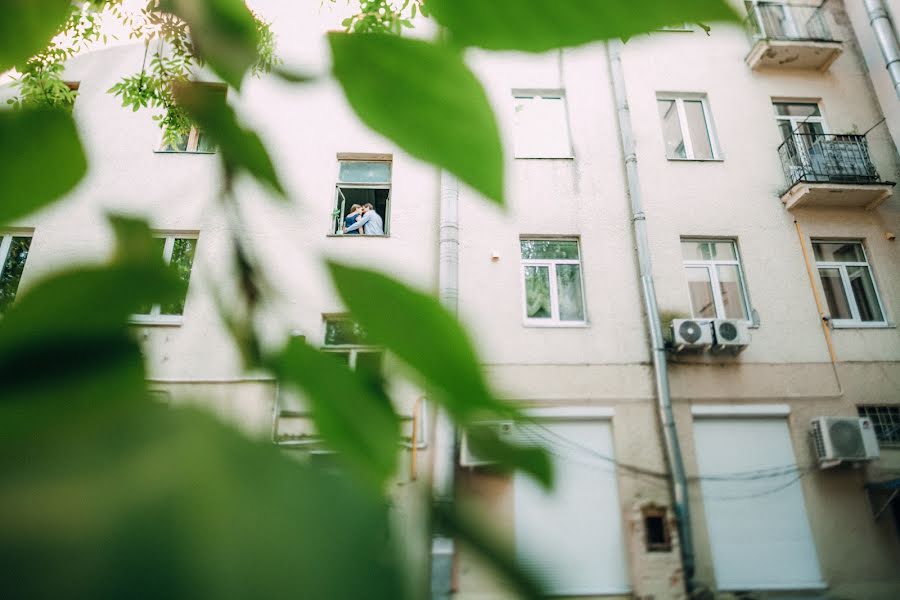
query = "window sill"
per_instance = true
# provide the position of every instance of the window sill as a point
(352, 235)
(690, 160)
(156, 321)
(863, 325)
(566, 157)
(184, 152)
(556, 325)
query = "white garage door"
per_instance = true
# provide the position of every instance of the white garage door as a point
(572, 535)
(758, 529)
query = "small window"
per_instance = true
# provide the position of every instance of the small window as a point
(552, 285)
(177, 252)
(656, 529)
(13, 254)
(715, 279)
(195, 141)
(848, 284)
(541, 125)
(687, 127)
(347, 339)
(362, 198)
(886, 420)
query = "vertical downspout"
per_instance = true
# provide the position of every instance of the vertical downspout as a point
(887, 39)
(444, 465)
(660, 367)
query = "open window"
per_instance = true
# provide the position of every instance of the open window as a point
(194, 141)
(362, 195)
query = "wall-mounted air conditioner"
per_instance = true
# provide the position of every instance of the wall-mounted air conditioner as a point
(467, 458)
(730, 334)
(691, 334)
(843, 439)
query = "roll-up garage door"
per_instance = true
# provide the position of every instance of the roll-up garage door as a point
(758, 528)
(572, 534)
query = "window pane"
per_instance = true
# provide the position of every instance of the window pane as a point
(571, 299)
(204, 143)
(549, 249)
(12, 268)
(671, 126)
(839, 251)
(182, 259)
(797, 109)
(696, 119)
(708, 250)
(342, 331)
(702, 303)
(356, 171)
(838, 305)
(159, 245)
(732, 294)
(180, 144)
(537, 292)
(541, 127)
(864, 294)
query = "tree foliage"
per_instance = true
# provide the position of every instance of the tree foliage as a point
(104, 493)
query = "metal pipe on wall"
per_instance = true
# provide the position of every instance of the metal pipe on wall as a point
(657, 343)
(887, 39)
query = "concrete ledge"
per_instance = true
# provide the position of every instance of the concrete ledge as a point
(793, 54)
(837, 195)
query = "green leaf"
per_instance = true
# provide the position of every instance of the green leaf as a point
(423, 97)
(293, 76)
(529, 458)
(27, 27)
(354, 418)
(240, 148)
(224, 33)
(421, 333)
(171, 502)
(542, 25)
(32, 140)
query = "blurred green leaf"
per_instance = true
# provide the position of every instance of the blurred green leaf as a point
(241, 149)
(224, 33)
(143, 499)
(32, 140)
(423, 97)
(464, 526)
(134, 240)
(27, 27)
(353, 418)
(542, 25)
(531, 459)
(415, 327)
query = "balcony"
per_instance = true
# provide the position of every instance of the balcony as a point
(790, 36)
(829, 170)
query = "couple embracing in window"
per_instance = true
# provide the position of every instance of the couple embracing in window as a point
(363, 220)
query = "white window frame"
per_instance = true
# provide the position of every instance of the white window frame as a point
(545, 94)
(679, 100)
(841, 266)
(386, 217)
(710, 266)
(554, 320)
(354, 350)
(154, 317)
(795, 120)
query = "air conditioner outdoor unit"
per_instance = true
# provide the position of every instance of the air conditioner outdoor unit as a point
(691, 334)
(731, 334)
(467, 458)
(843, 439)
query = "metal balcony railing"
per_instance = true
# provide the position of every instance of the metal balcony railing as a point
(779, 21)
(827, 158)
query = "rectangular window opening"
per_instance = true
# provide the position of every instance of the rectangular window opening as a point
(14, 250)
(177, 251)
(715, 279)
(362, 198)
(886, 421)
(194, 141)
(657, 537)
(552, 282)
(541, 125)
(847, 283)
(687, 127)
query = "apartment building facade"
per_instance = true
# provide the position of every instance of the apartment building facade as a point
(765, 177)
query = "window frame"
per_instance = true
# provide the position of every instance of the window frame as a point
(679, 99)
(710, 266)
(871, 412)
(854, 322)
(389, 186)
(554, 320)
(154, 317)
(543, 94)
(195, 132)
(796, 121)
(6, 238)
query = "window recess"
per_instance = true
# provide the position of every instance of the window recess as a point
(362, 197)
(177, 251)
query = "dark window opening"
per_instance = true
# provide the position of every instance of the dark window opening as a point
(362, 198)
(656, 530)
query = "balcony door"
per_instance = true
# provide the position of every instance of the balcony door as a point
(776, 20)
(802, 126)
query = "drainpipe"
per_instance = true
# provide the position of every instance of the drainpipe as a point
(887, 39)
(660, 367)
(444, 466)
